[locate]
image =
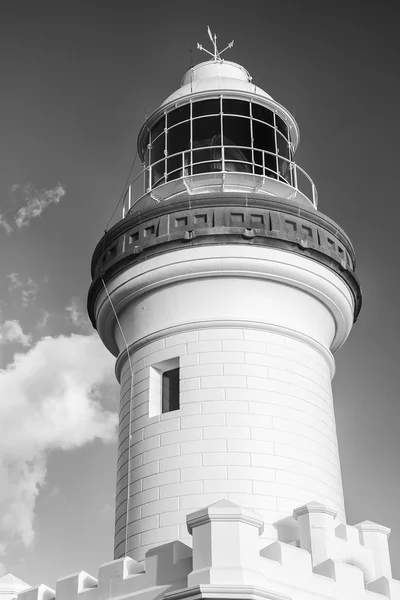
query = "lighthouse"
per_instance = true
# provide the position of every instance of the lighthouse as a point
(223, 293)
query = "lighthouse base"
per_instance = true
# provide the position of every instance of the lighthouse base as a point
(323, 560)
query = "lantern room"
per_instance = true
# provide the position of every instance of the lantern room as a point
(220, 131)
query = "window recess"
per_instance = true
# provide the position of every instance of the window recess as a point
(164, 387)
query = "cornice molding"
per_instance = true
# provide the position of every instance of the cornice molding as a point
(219, 219)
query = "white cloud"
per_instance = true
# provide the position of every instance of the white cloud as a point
(5, 224)
(50, 400)
(35, 201)
(42, 323)
(78, 316)
(15, 281)
(29, 289)
(11, 331)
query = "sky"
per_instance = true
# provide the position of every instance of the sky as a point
(77, 80)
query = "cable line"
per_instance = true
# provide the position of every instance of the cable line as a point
(123, 191)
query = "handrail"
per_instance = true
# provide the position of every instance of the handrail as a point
(290, 178)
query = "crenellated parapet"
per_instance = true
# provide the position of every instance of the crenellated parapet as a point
(324, 559)
(166, 568)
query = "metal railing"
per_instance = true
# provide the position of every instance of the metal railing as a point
(224, 161)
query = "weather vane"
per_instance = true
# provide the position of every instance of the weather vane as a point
(216, 54)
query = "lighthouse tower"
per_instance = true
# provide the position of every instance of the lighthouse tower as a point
(223, 292)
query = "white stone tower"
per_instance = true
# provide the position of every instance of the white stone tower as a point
(223, 293)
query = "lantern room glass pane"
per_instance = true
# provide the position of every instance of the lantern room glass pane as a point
(158, 128)
(201, 162)
(174, 167)
(206, 132)
(238, 160)
(206, 107)
(178, 138)
(178, 141)
(283, 145)
(157, 174)
(237, 142)
(263, 137)
(157, 148)
(207, 160)
(263, 114)
(182, 113)
(158, 161)
(237, 132)
(265, 164)
(236, 107)
(284, 170)
(282, 127)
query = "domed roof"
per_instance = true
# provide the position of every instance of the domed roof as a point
(216, 75)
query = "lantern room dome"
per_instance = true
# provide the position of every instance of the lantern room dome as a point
(214, 75)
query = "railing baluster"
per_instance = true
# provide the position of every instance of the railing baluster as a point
(295, 175)
(314, 195)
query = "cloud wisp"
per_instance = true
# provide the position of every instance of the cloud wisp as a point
(51, 399)
(78, 317)
(35, 202)
(5, 224)
(11, 332)
(46, 316)
(28, 289)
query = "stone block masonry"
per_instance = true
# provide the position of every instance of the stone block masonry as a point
(255, 425)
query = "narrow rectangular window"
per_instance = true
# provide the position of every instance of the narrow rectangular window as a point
(164, 387)
(170, 390)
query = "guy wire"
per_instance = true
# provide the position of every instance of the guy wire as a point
(126, 347)
(124, 190)
(130, 411)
